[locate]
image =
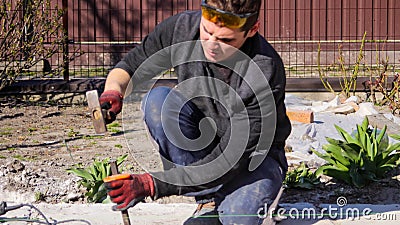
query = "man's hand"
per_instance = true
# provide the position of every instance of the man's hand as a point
(111, 100)
(127, 191)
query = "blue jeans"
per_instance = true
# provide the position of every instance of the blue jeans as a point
(237, 202)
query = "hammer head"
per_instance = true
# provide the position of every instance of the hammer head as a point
(96, 112)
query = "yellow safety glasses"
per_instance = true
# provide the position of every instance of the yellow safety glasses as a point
(224, 18)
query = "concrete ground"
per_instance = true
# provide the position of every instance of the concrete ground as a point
(174, 214)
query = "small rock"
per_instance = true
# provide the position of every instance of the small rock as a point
(73, 196)
(42, 174)
(366, 109)
(342, 109)
(352, 99)
(15, 166)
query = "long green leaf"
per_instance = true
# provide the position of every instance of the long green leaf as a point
(351, 150)
(346, 136)
(93, 170)
(374, 147)
(101, 193)
(390, 150)
(338, 174)
(365, 124)
(104, 171)
(323, 156)
(381, 134)
(363, 138)
(336, 153)
(81, 173)
(334, 141)
(395, 136)
(368, 146)
(390, 160)
(121, 159)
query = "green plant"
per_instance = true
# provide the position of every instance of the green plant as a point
(115, 131)
(32, 129)
(348, 77)
(39, 196)
(5, 133)
(72, 133)
(395, 136)
(92, 178)
(359, 159)
(301, 177)
(114, 124)
(113, 127)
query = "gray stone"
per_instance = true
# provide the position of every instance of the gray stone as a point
(342, 109)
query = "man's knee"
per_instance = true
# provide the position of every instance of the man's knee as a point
(153, 103)
(154, 99)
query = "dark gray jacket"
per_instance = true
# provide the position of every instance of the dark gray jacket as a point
(185, 27)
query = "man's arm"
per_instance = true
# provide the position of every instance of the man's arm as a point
(117, 80)
(121, 80)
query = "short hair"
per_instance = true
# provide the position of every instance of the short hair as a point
(239, 7)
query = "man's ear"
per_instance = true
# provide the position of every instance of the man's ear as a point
(254, 29)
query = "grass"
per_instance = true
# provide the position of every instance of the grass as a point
(92, 137)
(22, 158)
(114, 124)
(115, 130)
(39, 196)
(113, 127)
(93, 143)
(32, 129)
(46, 128)
(6, 131)
(72, 133)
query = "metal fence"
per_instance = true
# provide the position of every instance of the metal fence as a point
(306, 33)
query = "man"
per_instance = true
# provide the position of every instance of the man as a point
(221, 131)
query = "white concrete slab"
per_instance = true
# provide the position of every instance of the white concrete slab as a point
(177, 213)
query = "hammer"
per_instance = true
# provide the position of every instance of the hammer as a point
(99, 124)
(98, 114)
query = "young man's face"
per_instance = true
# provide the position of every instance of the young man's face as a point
(219, 43)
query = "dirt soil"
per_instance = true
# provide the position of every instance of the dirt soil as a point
(39, 141)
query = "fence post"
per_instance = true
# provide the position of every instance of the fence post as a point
(65, 41)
